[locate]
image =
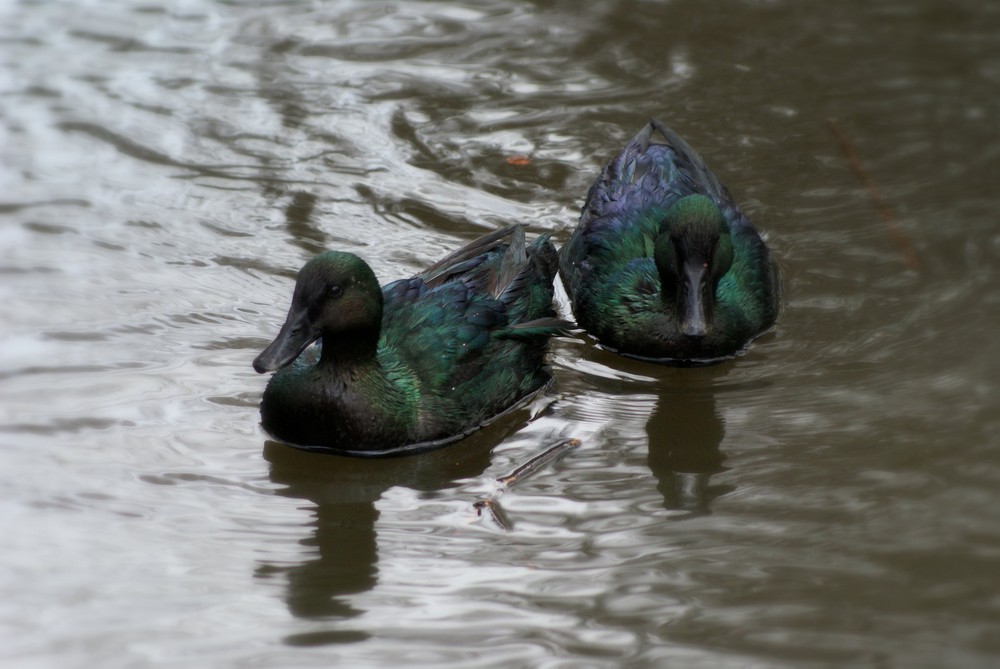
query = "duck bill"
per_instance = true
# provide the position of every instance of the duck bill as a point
(694, 307)
(293, 338)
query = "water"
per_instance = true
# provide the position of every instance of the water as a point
(828, 499)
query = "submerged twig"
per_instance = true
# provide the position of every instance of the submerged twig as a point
(539, 461)
(909, 253)
(496, 513)
(492, 505)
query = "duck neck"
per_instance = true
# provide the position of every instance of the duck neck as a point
(346, 354)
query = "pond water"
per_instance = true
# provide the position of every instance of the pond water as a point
(831, 498)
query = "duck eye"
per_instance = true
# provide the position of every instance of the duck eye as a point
(335, 291)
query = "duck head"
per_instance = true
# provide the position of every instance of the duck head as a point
(692, 252)
(337, 297)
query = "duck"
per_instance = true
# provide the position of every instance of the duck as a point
(662, 265)
(418, 363)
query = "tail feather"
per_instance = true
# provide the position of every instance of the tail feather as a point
(543, 250)
(539, 262)
(643, 136)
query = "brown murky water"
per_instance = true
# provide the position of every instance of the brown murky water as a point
(829, 499)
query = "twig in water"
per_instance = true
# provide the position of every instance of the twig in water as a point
(909, 253)
(530, 467)
(496, 512)
(539, 461)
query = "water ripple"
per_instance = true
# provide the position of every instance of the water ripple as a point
(826, 499)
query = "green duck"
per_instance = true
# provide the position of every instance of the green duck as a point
(663, 266)
(419, 363)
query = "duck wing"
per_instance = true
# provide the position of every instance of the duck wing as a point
(448, 316)
(466, 258)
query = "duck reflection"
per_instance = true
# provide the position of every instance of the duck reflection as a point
(341, 552)
(685, 432)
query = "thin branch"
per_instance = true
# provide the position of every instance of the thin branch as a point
(539, 461)
(909, 253)
(492, 505)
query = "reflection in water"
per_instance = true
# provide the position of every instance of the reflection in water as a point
(342, 555)
(685, 432)
(302, 230)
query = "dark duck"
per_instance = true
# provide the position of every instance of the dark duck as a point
(663, 265)
(419, 363)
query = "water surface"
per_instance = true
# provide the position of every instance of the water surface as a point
(828, 499)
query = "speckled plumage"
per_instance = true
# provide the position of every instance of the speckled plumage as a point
(663, 265)
(418, 363)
